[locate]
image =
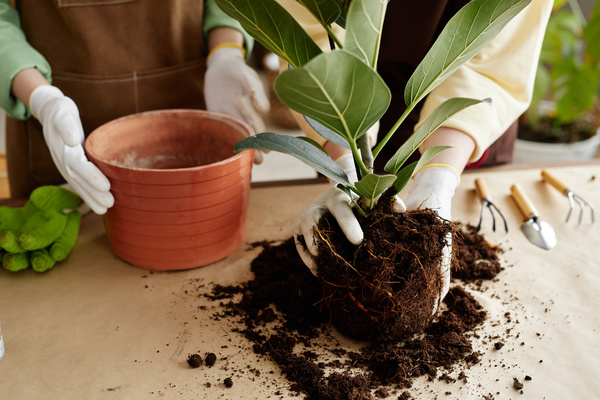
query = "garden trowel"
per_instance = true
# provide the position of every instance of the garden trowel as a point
(537, 231)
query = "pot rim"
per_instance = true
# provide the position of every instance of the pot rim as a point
(559, 147)
(89, 141)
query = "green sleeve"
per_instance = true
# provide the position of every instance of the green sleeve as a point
(16, 55)
(214, 17)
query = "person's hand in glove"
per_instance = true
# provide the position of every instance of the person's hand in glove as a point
(64, 136)
(232, 87)
(41, 233)
(336, 202)
(433, 188)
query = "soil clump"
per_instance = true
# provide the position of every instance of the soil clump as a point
(386, 288)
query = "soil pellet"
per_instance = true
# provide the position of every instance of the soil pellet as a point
(194, 360)
(210, 359)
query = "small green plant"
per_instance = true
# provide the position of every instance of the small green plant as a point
(340, 93)
(568, 76)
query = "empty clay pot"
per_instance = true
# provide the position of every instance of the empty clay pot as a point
(181, 194)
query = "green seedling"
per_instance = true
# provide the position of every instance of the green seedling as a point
(340, 93)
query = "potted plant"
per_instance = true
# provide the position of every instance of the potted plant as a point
(562, 121)
(341, 95)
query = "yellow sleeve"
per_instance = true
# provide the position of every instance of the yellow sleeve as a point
(504, 71)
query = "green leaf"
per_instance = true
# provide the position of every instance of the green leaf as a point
(363, 29)
(444, 111)
(274, 27)
(373, 185)
(404, 175)
(313, 143)
(341, 21)
(410, 170)
(327, 133)
(301, 149)
(575, 90)
(591, 34)
(466, 34)
(337, 90)
(325, 11)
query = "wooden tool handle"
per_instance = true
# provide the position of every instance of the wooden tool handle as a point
(525, 205)
(554, 181)
(481, 189)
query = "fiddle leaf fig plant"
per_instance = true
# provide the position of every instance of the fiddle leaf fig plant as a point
(340, 93)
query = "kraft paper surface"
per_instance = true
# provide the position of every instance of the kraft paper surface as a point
(96, 327)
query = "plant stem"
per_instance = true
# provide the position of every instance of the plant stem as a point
(393, 130)
(333, 36)
(358, 160)
(365, 151)
(359, 208)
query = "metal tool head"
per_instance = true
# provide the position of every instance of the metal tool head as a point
(581, 202)
(562, 187)
(487, 204)
(539, 233)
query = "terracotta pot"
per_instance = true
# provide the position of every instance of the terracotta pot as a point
(181, 194)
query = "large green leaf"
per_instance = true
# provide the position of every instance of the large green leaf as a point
(575, 90)
(303, 150)
(274, 27)
(444, 111)
(363, 29)
(465, 35)
(591, 34)
(372, 185)
(325, 11)
(410, 170)
(337, 90)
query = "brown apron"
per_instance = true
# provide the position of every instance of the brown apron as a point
(113, 58)
(410, 28)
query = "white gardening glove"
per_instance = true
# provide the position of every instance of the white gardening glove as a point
(232, 87)
(433, 188)
(337, 202)
(64, 137)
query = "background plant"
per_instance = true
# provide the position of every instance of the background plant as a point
(340, 93)
(568, 74)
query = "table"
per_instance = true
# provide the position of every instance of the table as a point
(95, 327)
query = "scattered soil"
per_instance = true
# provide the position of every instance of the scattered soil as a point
(386, 288)
(282, 313)
(476, 259)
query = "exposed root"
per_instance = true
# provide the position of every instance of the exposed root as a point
(395, 279)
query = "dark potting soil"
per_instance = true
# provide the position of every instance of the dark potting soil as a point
(476, 259)
(386, 288)
(550, 130)
(283, 315)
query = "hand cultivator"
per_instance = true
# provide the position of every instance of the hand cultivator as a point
(571, 195)
(486, 203)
